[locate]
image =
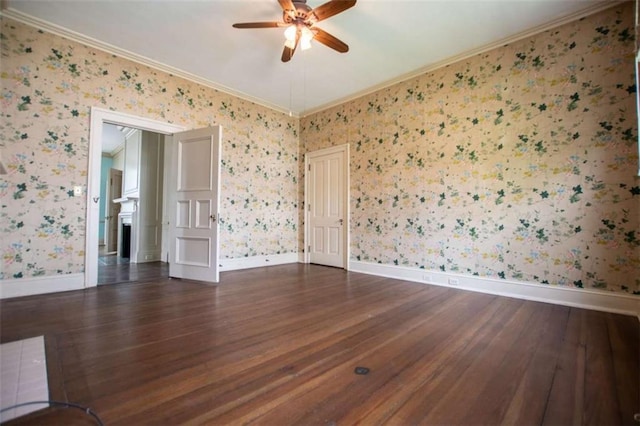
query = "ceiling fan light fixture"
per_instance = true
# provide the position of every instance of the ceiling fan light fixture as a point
(290, 34)
(305, 44)
(305, 38)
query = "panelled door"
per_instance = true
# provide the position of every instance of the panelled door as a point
(327, 207)
(193, 247)
(114, 191)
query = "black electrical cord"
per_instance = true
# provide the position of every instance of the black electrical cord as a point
(87, 410)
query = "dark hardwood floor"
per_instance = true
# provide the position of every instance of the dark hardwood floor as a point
(279, 345)
(113, 270)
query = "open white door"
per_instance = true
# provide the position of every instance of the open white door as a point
(194, 204)
(327, 206)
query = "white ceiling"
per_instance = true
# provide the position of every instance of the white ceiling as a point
(389, 40)
(112, 138)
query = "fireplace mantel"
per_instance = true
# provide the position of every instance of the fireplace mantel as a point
(125, 200)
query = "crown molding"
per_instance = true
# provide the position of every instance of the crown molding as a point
(593, 9)
(60, 31)
(114, 50)
(116, 151)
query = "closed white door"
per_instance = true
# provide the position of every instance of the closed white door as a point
(327, 207)
(114, 191)
(193, 248)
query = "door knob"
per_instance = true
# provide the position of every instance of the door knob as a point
(340, 221)
(213, 217)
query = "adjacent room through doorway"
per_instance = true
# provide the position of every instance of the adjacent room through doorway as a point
(131, 180)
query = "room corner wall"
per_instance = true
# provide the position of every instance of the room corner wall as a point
(48, 86)
(517, 164)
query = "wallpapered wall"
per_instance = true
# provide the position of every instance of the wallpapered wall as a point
(49, 85)
(516, 164)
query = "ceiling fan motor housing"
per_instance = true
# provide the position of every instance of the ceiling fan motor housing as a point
(301, 14)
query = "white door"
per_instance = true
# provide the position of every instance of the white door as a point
(114, 191)
(327, 206)
(193, 247)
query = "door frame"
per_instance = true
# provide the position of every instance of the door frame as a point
(99, 117)
(340, 149)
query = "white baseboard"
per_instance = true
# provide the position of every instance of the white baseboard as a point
(579, 298)
(588, 299)
(40, 285)
(257, 261)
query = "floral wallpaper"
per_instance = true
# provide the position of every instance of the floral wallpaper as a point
(49, 84)
(515, 164)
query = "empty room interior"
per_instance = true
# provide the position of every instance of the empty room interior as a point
(320, 212)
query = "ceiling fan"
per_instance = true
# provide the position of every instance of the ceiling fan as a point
(300, 20)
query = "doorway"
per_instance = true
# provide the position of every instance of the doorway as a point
(99, 119)
(131, 190)
(190, 226)
(327, 207)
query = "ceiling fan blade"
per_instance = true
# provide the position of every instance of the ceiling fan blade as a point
(287, 6)
(287, 54)
(332, 7)
(329, 40)
(260, 25)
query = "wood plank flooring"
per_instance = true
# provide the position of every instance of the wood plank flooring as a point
(279, 345)
(112, 270)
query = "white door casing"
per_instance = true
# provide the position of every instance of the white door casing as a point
(193, 247)
(327, 207)
(99, 117)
